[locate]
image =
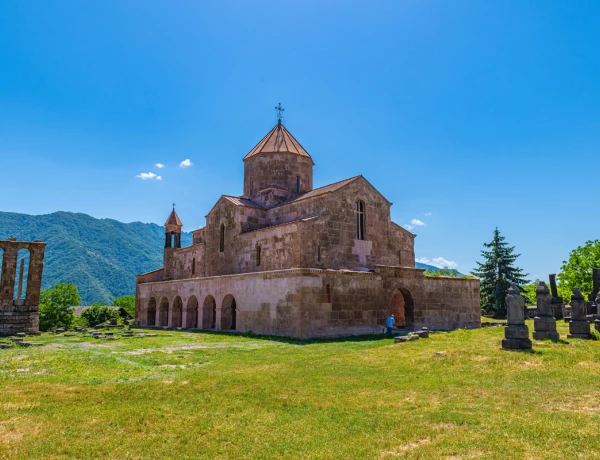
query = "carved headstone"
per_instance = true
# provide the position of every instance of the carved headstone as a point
(597, 320)
(558, 306)
(516, 333)
(544, 324)
(579, 326)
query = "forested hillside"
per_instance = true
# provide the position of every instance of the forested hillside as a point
(101, 256)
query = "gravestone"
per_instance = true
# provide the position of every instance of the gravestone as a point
(597, 320)
(544, 324)
(516, 333)
(558, 306)
(595, 291)
(579, 326)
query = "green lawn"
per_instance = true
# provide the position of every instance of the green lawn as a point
(192, 395)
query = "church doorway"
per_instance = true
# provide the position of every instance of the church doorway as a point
(191, 318)
(402, 307)
(151, 312)
(163, 312)
(228, 313)
(209, 313)
(176, 314)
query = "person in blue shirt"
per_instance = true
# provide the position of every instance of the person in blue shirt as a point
(389, 322)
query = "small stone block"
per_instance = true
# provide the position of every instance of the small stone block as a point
(6, 346)
(516, 332)
(20, 334)
(400, 339)
(546, 335)
(516, 344)
(579, 327)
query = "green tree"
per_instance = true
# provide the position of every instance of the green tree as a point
(55, 306)
(127, 302)
(577, 271)
(98, 314)
(496, 274)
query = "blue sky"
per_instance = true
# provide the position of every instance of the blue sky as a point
(467, 115)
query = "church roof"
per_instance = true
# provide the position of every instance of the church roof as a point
(174, 219)
(239, 201)
(278, 140)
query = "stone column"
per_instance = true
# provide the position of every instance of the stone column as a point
(516, 333)
(558, 305)
(9, 272)
(597, 320)
(157, 316)
(544, 324)
(184, 313)
(579, 326)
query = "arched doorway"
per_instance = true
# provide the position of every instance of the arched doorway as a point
(191, 319)
(176, 314)
(209, 313)
(228, 313)
(402, 307)
(151, 312)
(163, 312)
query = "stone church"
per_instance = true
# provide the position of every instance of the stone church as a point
(289, 259)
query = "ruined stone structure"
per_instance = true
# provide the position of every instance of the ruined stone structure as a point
(289, 259)
(516, 332)
(19, 298)
(544, 324)
(579, 326)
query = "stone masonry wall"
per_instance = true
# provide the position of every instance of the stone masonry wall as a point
(20, 315)
(280, 169)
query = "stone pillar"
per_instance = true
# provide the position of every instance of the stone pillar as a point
(544, 324)
(157, 316)
(9, 271)
(34, 277)
(558, 305)
(579, 326)
(184, 313)
(597, 320)
(170, 315)
(516, 333)
(218, 319)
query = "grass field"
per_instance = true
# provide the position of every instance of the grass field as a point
(194, 395)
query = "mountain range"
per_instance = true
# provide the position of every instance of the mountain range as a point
(101, 256)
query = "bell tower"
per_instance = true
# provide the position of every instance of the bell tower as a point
(173, 230)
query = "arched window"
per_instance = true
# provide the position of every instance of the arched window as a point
(172, 240)
(360, 220)
(193, 266)
(328, 294)
(297, 184)
(258, 251)
(222, 239)
(20, 288)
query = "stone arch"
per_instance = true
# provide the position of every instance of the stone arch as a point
(20, 288)
(163, 312)
(228, 313)
(402, 306)
(177, 312)
(151, 312)
(191, 318)
(209, 313)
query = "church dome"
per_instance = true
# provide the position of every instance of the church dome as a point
(280, 162)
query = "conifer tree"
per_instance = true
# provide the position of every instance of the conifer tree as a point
(496, 274)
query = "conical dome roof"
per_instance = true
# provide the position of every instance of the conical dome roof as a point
(278, 140)
(173, 219)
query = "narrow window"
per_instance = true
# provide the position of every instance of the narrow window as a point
(328, 293)
(251, 186)
(399, 257)
(258, 249)
(172, 239)
(222, 239)
(360, 220)
(297, 184)
(319, 253)
(193, 266)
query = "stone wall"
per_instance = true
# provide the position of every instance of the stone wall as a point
(20, 315)
(313, 302)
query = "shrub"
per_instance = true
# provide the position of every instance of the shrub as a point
(55, 306)
(98, 314)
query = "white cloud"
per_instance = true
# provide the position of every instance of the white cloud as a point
(438, 262)
(414, 223)
(159, 165)
(185, 163)
(148, 175)
(428, 214)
